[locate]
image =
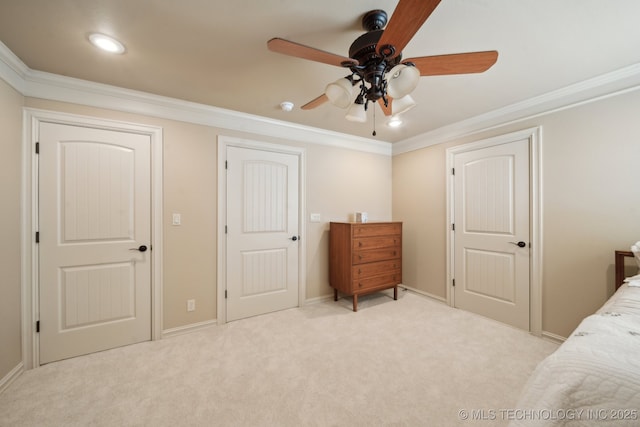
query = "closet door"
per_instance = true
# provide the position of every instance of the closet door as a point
(95, 235)
(263, 234)
(491, 238)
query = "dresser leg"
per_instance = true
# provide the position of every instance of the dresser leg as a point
(355, 303)
(335, 294)
(395, 292)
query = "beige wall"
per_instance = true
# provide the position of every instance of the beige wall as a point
(419, 201)
(10, 244)
(590, 202)
(591, 205)
(338, 182)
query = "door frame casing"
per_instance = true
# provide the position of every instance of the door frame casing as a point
(30, 208)
(534, 136)
(225, 141)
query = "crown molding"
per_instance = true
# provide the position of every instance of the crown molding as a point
(38, 84)
(54, 87)
(621, 81)
(12, 69)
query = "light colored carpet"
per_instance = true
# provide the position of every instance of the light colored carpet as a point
(411, 362)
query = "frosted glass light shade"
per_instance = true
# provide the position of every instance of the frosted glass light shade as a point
(356, 113)
(402, 80)
(403, 104)
(340, 92)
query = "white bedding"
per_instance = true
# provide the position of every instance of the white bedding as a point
(626, 300)
(594, 376)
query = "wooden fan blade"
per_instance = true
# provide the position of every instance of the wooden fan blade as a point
(404, 24)
(457, 63)
(315, 103)
(305, 52)
(386, 110)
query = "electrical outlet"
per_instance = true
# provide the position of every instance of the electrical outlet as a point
(191, 305)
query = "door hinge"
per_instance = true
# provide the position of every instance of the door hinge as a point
(225, 229)
(37, 148)
(453, 227)
(453, 282)
(226, 164)
(37, 326)
(453, 171)
(37, 237)
(225, 294)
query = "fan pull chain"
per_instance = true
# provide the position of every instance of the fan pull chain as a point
(374, 121)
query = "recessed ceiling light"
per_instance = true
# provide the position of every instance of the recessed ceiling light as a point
(394, 122)
(106, 43)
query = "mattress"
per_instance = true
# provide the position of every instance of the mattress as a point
(594, 376)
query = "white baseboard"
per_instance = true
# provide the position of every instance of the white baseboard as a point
(423, 293)
(316, 300)
(553, 337)
(186, 329)
(400, 287)
(11, 377)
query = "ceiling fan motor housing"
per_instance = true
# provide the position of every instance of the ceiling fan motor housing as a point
(372, 66)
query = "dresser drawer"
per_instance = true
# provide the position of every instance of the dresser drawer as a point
(376, 268)
(375, 242)
(372, 255)
(372, 229)
(375, 282)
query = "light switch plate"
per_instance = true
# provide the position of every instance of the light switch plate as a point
(315, 217)
(176, 220)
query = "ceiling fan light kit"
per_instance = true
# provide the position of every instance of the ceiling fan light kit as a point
(376, 65)
(402, 80)
(356, 112)
(340, 92)
(400, 105)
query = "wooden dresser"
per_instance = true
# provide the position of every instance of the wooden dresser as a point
(365, 258)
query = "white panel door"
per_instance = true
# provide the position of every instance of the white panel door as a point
(94, 216)
(491, 243)
(262, 232)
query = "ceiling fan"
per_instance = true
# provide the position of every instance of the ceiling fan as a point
(376, 65)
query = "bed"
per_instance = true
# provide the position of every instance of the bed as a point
(594, 376)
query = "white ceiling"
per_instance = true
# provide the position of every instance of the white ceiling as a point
(214, 51)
